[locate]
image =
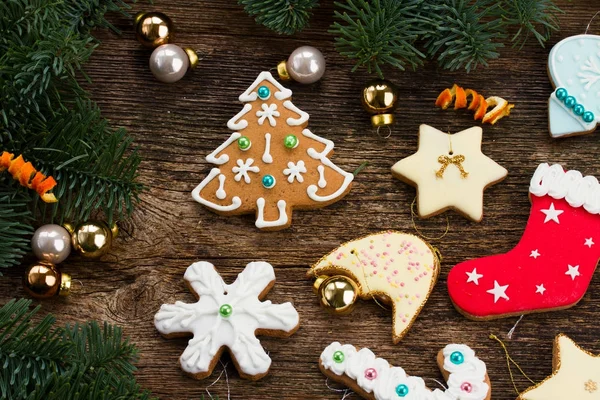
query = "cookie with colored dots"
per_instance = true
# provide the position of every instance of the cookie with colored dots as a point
(374, 378)
(397, 268)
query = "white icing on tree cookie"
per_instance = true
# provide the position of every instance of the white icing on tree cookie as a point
(295, 171)
(268, 112)
(242, 169)
(227, 316)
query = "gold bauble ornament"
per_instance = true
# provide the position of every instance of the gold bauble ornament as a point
(92, 239)
(337, 294)
(152, 29)
(380, 98)
(43, 280)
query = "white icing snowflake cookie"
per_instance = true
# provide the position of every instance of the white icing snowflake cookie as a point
(374, 378)
(227, 316)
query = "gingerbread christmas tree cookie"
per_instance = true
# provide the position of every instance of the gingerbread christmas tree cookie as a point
(450, 172)
(271, 163)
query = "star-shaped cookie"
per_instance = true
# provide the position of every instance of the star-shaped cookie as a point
(449, 171)
(576, 374)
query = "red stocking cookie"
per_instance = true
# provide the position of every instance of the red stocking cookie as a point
(551, 267)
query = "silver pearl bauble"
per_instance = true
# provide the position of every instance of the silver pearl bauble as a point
(169, 63)
(51, 243)
(306, 64)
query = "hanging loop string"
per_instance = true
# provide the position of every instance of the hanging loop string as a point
(510, 360)
(590, 23)
(413, 214)
(353, 251)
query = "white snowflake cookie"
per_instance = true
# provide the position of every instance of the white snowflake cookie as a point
(227, 316)
(374, 378)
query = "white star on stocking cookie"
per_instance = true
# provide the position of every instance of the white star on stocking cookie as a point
(474, 276)
(552, 214)
(227, 316)
(498, 291)
(573, 271)
(589, 242)
(540, 289)
(535, 254)
(450, 172)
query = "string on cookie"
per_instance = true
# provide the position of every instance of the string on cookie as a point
(355, 254)
(413, 214)
(28, 176)
(473, 101)
(510, 360)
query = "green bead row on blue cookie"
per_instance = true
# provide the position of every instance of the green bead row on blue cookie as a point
(571, 103)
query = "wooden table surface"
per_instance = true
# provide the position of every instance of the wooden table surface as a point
(177, 125)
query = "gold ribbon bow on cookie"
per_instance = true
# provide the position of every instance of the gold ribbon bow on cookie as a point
(456, 160)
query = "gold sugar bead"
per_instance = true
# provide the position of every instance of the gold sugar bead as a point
(43, 280)
(380, 98)
(337, 294)
(153, 29)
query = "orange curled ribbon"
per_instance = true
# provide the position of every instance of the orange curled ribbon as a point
(28, 176)
(456, 160)
(478, 104)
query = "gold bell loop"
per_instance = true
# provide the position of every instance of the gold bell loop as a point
(382, 120)
(65, 284)
(193, 56)
(283, 72)
(137, 18)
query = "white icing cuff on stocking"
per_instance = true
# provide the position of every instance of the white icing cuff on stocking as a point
(576, 189)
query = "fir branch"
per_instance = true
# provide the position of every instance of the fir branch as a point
(462, 34)
(29, 354)
(532, 17)
(379, 32)
(15, 230)
(282, 16)
(41, 361)
(46, 116)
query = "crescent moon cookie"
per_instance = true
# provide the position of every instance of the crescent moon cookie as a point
(576, 374)
(574, 70)
(398, 268)
(374, 378)
(227, 316)
(449, 172)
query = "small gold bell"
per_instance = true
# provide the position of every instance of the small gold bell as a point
(337, 294)
(380, 98)
(152, 29)
(92, 239)
(43, 280)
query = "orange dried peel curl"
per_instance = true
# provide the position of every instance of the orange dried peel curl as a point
(470, 99)
(28, 176)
